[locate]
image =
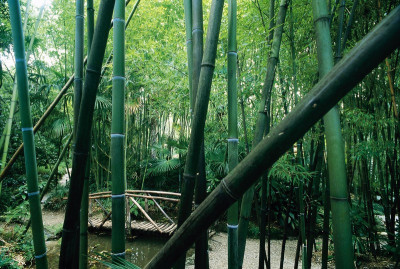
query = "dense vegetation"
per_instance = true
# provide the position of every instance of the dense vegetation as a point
(292, 198)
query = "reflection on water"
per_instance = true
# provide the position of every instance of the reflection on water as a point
(138, 251)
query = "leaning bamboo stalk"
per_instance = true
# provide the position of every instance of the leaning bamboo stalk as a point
(27, 135)
(70, 239)
(365, 56)
(201, 245)
(84, 213)
(200, 111)
(342, 236)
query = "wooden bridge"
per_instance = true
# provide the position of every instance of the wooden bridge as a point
(146, 201)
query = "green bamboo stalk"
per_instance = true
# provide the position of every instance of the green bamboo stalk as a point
(335, 150)
(233, 141)
(117, 134)
(365, 56)
(84, 213)
(70, 239)
(52, 174)
(302, 225)
(201, 245)
(14, 96)
(200, 112)
(27, 135)
(263, 119)
(187, 5)
(62, 92)
(265, 182)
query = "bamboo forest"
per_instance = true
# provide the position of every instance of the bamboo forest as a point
(199, 134)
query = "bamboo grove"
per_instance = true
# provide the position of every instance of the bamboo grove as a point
(276, 119)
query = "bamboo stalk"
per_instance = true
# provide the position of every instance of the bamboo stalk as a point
(27, 135)
(84, 214)
(233, 211)
(200, 112)
(118, 167)
(263, 122)
(365, 56)
(70, 239)
(335, 149)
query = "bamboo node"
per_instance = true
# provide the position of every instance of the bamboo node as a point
(118, 77)
(18, 60)
(188, 176)
(234, 140)
(27, 129)
(41, 255)
(89, 70)
(232, 226)
(232, 53)
(117, 135)
(79, 16)
(208, 64)
(228, 191)
(197, 30)
(114, 196)
(119, 20)
(339, 198)
(33, 193)
(323, 17)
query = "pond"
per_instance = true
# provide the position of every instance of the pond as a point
(139, 250)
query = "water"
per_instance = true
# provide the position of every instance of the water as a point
(139, 251)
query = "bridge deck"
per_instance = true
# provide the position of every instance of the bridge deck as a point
(136, 226)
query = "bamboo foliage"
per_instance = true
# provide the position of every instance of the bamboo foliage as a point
(232, 132)
(27, 135)
(70, 236)
(117, 133)
(335, 149)
(365, 56)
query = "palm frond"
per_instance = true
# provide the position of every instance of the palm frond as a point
(163, 166)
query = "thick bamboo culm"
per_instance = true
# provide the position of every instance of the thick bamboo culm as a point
(117, 133)
(69, 251)
(27, 135)
(233, 211)
(84, 213)
(360, 61)
(335, 148)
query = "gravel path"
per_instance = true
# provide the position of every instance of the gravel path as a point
(219, 253)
